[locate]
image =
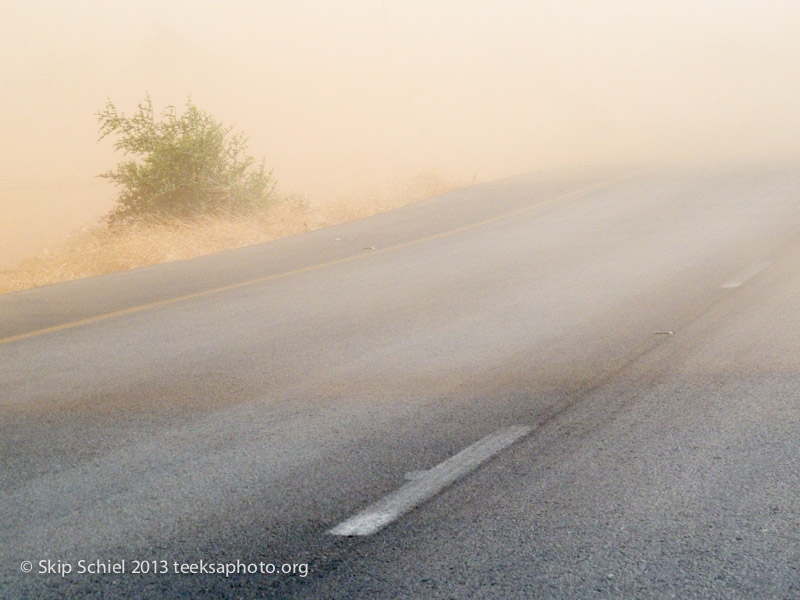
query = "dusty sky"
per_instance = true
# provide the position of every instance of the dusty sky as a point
(339, 96)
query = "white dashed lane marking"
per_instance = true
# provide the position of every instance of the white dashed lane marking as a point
(426, 484)
(746, 274)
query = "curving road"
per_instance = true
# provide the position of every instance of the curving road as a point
(564, 386)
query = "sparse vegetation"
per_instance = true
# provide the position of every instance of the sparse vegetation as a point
(147, 240)
(181, 165)
(187, 187)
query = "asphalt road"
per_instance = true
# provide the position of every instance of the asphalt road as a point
(638, 331)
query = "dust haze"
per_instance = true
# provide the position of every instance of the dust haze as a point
(341, 97)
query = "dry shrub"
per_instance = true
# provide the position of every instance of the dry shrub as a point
(98, 249)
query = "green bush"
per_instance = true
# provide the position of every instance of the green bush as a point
(181, 164)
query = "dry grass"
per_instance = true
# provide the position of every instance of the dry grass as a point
(98, 250)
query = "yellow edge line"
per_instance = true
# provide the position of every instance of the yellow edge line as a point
(241, 284)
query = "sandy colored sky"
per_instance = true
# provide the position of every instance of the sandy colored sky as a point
(340, 96)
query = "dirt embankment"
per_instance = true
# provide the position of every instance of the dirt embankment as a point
(97, 249)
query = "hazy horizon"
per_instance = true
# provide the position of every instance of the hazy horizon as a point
(343, 96)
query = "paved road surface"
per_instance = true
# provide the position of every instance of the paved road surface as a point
(243, 405)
